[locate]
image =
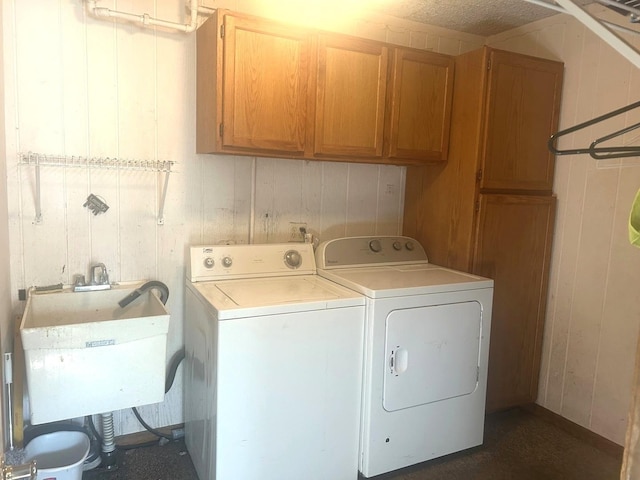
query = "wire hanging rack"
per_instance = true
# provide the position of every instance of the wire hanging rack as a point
(38, 160)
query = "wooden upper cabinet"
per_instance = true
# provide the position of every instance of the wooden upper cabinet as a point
(523, 104)
(271, 89)
(420, 94)
(256, 74)
(350, 97)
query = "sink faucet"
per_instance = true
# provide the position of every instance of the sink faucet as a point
(98, 279)
(99, 275)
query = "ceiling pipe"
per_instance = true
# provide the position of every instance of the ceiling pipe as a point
(147, 20)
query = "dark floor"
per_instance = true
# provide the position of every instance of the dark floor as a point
(517, 446)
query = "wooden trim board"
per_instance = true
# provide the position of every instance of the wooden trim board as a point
(579, 432)
(17, 392)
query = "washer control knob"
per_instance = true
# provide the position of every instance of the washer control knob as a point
(227, 262)
(375, 246)
(410, 246)
(397, 245)
(292, 259)
(208, 262)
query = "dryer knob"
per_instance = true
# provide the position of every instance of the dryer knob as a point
(375, 246)
(292, 259)
(208, 262)
(397, 246)
(227, 262)
(410, 246)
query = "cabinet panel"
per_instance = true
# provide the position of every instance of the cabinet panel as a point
(260, 72)
(523, 103)
(420, 96)
(513, 246)
(350, 102)
(266, 85)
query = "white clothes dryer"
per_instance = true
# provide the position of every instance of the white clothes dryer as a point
(426, 349)
(273, 366)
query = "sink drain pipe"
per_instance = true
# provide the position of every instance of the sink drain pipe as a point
(108, 442)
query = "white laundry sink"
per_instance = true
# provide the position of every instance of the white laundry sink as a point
(85, 354)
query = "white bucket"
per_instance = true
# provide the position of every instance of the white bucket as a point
(58, 455)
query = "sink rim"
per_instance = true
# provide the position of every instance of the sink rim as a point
(65, 308)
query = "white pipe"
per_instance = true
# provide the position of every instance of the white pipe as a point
(145, 19)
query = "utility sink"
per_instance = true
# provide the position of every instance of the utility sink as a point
(84, 354)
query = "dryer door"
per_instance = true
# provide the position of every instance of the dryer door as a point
(432, 353)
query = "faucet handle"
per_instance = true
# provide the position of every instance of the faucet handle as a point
(78, 280)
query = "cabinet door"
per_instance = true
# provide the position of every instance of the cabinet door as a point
(351, 87)
(265, 85)
(419, 113)
(523, 102)
(513, 246)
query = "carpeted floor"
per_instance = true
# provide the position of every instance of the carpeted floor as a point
(518, 446)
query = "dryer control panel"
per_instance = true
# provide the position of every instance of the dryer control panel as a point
(226, 262)
(361, 251)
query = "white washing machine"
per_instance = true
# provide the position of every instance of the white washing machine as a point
(273, 366)
(426, 350)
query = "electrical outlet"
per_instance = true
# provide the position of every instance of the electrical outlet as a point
(295, 234)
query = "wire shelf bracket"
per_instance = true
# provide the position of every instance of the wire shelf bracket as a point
(601, 28)
(604, 30)
(37, 160)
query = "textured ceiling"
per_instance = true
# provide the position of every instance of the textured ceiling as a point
(481, 17)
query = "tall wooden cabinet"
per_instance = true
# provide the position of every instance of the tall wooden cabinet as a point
(490, 208)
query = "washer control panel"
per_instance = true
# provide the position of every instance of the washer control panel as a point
(225, 262)
(360, 251)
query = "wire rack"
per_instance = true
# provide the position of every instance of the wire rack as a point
(38, 160)
(35, 159)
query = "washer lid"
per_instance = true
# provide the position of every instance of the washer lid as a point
(275, 295)
(403, 280)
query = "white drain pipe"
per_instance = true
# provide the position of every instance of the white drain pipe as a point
(147, 20)
(108, 442)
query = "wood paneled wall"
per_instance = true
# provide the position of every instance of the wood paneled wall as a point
(75, 85)
(593, 314)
